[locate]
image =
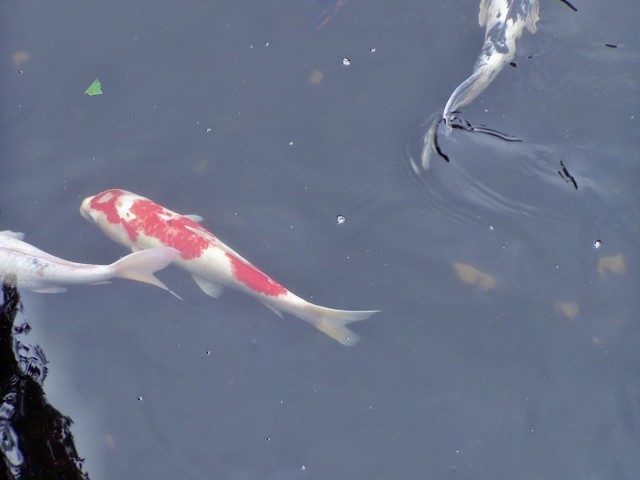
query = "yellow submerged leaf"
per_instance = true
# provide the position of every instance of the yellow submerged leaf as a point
(473, 276)
(615, 264)
(316, 77)
(20, 57)
(568, 309)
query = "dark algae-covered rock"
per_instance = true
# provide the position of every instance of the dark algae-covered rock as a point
(35, 438)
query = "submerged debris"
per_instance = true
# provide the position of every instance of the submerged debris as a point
(94, 89)
(614, 264)
(472, 276)
(568, 309)
(564, 173)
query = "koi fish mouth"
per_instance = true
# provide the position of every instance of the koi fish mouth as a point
(86, 211)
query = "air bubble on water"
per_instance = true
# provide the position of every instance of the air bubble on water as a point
(340, 219)
(597, 243)
(346, 61)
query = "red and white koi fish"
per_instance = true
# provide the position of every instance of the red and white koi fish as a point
(31, 268)
(139, 223)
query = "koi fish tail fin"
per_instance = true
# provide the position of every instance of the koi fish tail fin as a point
(140, 266)
(333, 322)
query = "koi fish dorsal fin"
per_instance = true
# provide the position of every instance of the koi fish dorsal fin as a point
(484, 12)
(10, 234)
(201, 233)
(533, 18)
(194, 218)
(211, 238)
(212, 289)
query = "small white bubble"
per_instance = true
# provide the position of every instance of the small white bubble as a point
(597, 243)
(303, 468)
(346, 61)
(372, 49)
(340, 219)
(291, 143)
(490, 227)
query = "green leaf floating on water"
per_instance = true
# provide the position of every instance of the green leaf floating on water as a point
(95, 88)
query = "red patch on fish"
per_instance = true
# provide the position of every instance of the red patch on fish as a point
(254, 278)
(106, 202)
(170, 228)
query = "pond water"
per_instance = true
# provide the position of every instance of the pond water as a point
(247, 114)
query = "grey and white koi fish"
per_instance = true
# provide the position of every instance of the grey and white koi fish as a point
(139, 223)
(504, 22)
(31, 268)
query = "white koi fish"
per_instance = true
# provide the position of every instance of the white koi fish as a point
(31, 268)
(139, 223)
(505, 21)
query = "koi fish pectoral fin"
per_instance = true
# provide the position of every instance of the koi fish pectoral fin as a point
(212, 289)
(10, 234)
(484, 12)
(49, 290)
(273, 309)
(533, 18)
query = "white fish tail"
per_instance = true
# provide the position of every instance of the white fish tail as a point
(333, 322)
(141, 266)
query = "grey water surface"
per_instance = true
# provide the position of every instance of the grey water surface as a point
(247, 114)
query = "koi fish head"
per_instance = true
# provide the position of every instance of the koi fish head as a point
(108, 210)
(139, 223)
